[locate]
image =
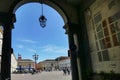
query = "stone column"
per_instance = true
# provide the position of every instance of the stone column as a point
(79, 52)
(84, 56)
(7, 22)
(72, 51)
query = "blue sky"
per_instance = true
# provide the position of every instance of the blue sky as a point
(28, 37)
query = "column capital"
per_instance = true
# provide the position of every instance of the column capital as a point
(7, 18)
(71, 27)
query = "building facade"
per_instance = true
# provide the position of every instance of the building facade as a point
(25, 65)
(13, 63)
(55, 64)
(64, 63)
(49, 64)
(40, 66)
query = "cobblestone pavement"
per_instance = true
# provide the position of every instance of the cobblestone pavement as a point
(54, 75)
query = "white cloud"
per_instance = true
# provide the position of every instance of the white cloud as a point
(20, 46)
(31, 50)
(27, 40)
(53, 49)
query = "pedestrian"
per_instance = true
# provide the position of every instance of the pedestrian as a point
(68, 71)
(33, 71)
(64, 71)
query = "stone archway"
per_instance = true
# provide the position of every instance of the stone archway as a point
(51, 4)
(70, 16)
(67, 24)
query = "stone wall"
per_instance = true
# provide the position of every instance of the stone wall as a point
(103, 27)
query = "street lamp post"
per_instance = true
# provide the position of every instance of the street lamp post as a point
(35, 56)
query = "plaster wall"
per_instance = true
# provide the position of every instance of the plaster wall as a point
(13, 63)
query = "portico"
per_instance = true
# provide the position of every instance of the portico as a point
(93, 41)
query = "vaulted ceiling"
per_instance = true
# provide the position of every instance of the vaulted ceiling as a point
(66, 8)
(6, 5)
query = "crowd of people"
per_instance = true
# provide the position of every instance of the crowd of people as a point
(66, 71)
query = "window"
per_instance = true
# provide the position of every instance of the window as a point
(103, 55)
(107, 42)
(104, 23)
(111, 4)
(112, 28)
(102, 44)
(102, 33)
(115, 41)
(98, 17)
(118, 37)
(97, 45)
(99, 56)
(99, 28)
(115, 28)
(102, 37)
(114, 17)
(106, 32)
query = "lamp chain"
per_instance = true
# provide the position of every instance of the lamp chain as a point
(42, 6)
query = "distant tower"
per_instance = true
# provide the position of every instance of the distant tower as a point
(19, 57)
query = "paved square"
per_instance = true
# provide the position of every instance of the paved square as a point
(53, 75)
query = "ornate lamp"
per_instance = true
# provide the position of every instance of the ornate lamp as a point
(35, 56)
(42, 18)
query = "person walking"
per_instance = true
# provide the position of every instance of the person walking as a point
(68, 71)
(64, 71)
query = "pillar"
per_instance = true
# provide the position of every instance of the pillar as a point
(83, 51)
(80, 55)
(6, 20)
(72, 52)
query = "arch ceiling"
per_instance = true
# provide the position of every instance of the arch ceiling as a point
(66, 8)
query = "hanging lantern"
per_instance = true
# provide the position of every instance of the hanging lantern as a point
(42, 18)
